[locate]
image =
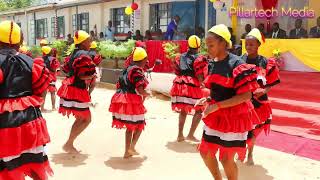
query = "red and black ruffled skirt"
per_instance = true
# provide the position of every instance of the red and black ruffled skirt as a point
(227, 130)
(74, 101)
(23, 133)
(128, 111)
(185, 92)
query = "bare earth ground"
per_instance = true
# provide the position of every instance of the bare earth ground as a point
(162, 158)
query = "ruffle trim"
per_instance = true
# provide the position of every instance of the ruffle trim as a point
(206, 147)
(27, 136)
(190, 109)
(19, 104)
(187, 80)
(264, 112)
(186, 91)
(237, 119)
(52, 88)
(69, 92)
(199, 65)
(42, 170)
(77, 114)
(133, 127)
(130, 104)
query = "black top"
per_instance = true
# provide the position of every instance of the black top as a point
(128, 78)
(47, 61)
(186, 64)
(77, 81)
(17, 72)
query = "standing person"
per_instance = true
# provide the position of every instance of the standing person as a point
(52, 64)
(73, 93)
(110, 30)
(247, 29)
(127, 103)
(229, 114)
(101, 36)
(96, 57)
(187, 87)
(298, 32)
(23, 130)
(44, 42)
(172, 28)
(268, 76)
(93, 36)
(129, 36)
(315, 31)
(261, 29)
(69, 40)
(277, 32)
(148, 35)
(138, 36)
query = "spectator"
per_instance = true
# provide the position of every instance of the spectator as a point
(110, 31)
(159, 34)
(138, 36)
(93, 36)
(261, 29)
(101, 36)
(247, 29)
(148, 35)
(315, 31)
(69, 40)
(233, 37)
(172, 28)
(129, 35)
(277, 33)
(200, 32)
(298, 32)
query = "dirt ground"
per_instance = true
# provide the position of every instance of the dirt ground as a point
(161, 157)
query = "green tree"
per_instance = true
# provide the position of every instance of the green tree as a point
(14, 4)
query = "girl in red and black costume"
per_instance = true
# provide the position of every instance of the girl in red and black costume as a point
(268, 76)
(73, 93)
(97, 59)
(52, 64)
(23, 130)
(187, 87)
(127, 103)
(229, 114)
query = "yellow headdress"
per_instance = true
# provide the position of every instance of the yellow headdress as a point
(10, 32)
(257, 34)
(222, 31)
(80, 36)
(194, 42)
(139, 54)
(46, 50)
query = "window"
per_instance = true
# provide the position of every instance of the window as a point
(160, 16)
(80, 22)
(120, 20)
(58, 32)
(41, 28)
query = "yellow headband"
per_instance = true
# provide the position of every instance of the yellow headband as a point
(139, 54)
(10, 32)
(194, 42)
(222, 31)
(46, 49)
(257, 34)
(80, 36)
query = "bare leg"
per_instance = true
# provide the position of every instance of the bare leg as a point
(44, 100)
(182, 120)
(92, 85)
(53, 100)
(195, 122)
(212, 164)
(77, 128)
(250, 161)
(128, 142)
(230, 168)
(135, 139)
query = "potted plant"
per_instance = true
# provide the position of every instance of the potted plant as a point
(279, 60)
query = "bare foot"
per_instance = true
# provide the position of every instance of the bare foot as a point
(54, 109)
(134, 152)
(180, 138)
(193, 139)
(70, 149)
(250, 162)
(127, 155)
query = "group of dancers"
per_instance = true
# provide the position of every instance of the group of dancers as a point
(229, 94)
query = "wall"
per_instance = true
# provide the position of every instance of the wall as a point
(314, 4)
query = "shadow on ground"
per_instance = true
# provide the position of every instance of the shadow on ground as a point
(182, 147)
(69, 160)
(125, 164)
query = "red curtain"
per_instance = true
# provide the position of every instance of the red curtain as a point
(155, 51)
(269, 4)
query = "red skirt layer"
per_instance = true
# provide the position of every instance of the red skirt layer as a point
(52, 88)
(237, 119)
(190, 109)
(264, 111)
(206, 147)
(29, 135)
(83, 115)
(133, 127)
(127, 103)
(66, 91)
(42, 170)
(19, 104)
(181, 88)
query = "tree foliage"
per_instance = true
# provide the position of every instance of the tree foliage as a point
(14, 4)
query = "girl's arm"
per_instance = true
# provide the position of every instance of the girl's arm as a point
(141, 91)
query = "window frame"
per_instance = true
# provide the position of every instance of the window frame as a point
(155, 16)
(60, 27)
(41, 33)
(120, 19)
(81, 21)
